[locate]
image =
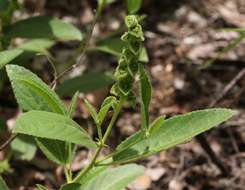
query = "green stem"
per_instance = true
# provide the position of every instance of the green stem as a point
(99, 132)
(68, 174)
(113, 119)
(106, 135)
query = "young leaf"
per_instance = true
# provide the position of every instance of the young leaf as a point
(73, 105)
(3, 185)
(172, 132)
(145, 96)
(31, 92)
(133, 6)
(91, 110)
(8, 55)
(52, 126)
(41, 187)
(85, 83)
(43, 27)
(109, 102)
(24, 147)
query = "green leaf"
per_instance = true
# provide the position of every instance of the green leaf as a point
(31, 92)
(114, 47)
(171, 132)
(41, 187)
(145, 97)
(109, 102)
(73, 106)
(133, 6)
(71, 186)
(24, 147)
(115, 178)
(107, 179)
(85, 83)
(8, 55)
(37, 45)
(91, 110)
(52, 126)
(51, 148)
(139, 136)
(92, 174)
(43, 27)
(3, 185)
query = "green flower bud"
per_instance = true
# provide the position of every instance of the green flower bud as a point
(131, 21)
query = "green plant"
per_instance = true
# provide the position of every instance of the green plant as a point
(47, 122)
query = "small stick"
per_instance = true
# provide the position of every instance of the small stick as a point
(228, 87)
(6, 143)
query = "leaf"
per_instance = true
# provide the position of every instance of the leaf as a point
(73, 105)
(109, 102)
(139, 136)
(85, 83)
(43, 27)
(92, 174)
(114, 46)
(133, 6)
(41, 187)
(3, 185)
(8, 55)
(52, 126)
(31, 92)
(91, 110)
(37, 45)
(51, 148)
(71, 186)
(172, 132)
(24, 147)
(145, 97)
(115, 178)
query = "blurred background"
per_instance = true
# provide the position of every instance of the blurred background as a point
(193, 64)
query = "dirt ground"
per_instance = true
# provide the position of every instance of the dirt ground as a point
(181, 36)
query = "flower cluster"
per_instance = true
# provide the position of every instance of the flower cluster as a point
(128, 64)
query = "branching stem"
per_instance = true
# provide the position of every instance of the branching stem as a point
(102, 144)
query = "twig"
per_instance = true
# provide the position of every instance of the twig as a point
(84, 46)
(6, 143)
(228, 87)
